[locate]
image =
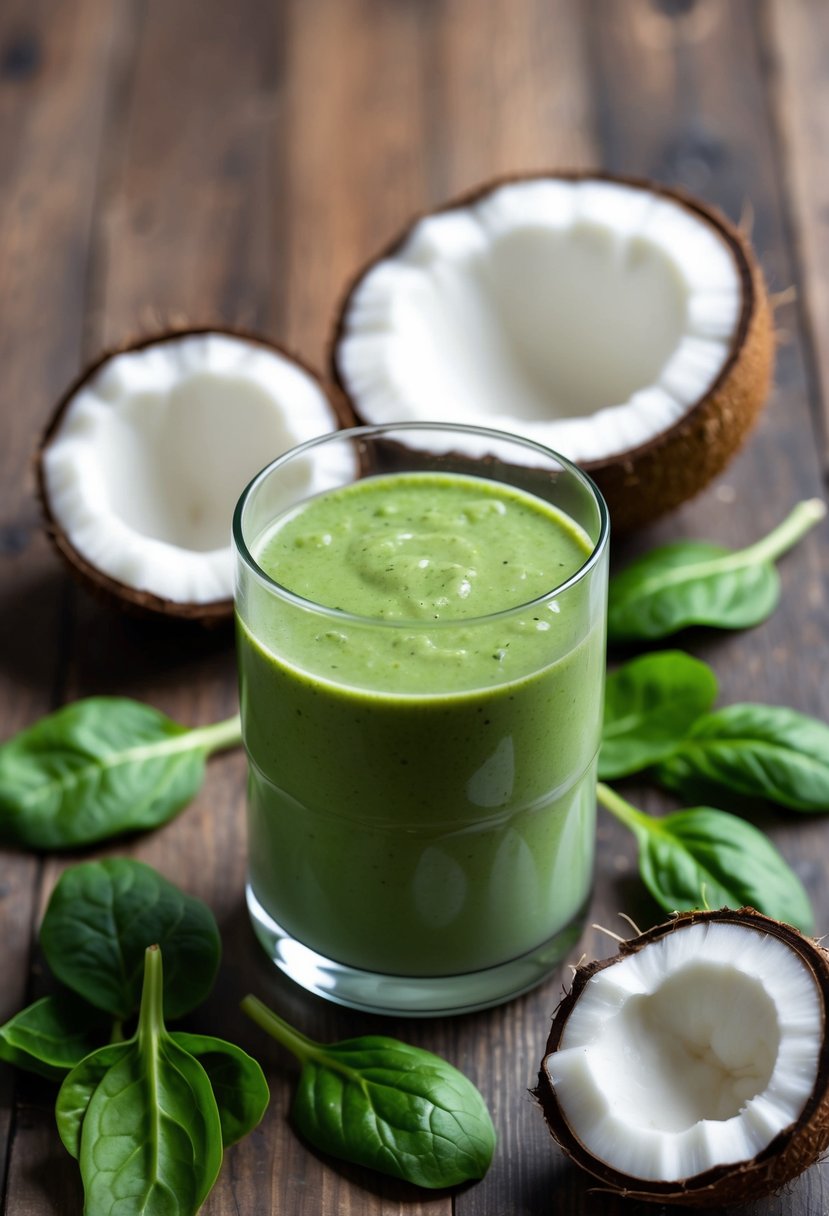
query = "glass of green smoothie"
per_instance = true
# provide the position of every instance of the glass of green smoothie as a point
(421, 644)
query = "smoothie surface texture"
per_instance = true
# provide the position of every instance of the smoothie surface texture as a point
(424, 546)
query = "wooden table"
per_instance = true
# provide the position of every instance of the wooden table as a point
(213, 162)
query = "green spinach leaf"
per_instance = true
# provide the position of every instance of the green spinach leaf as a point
(142, 1119)
(100, 919)
(98, 768)
(763, 751)
(77, 1089)
(650, 704)
(384, 1104)
(238, 1083)
(695, 583)
(54, 1034)
(707, 858)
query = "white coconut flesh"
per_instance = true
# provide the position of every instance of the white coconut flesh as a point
(693, 1053)
(587, 315)
(151, 454)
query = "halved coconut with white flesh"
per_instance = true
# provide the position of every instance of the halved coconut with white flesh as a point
(144, 459)
(692, 1067)
(621, 323)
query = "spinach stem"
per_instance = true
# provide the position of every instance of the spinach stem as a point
(804, 516)
(218, 736)
(301, 1046)
(624, 812)
(151, 1013)
(150, 1027)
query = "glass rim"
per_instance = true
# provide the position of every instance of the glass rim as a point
(378, 430)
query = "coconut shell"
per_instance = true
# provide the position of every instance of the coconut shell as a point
(791, 1152)
(108, 590)
(646, 482)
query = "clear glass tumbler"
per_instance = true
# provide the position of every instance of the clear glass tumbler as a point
(421, 800)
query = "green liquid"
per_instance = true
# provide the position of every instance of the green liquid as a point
(422, 783)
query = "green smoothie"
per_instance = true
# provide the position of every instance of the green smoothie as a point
(422, 757)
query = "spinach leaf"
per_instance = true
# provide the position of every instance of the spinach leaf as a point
(237, 1081)
(77, 1089)
(763, 751)
(142, 1120)
(384, 1104)
(101, 917)
(650, 704)
(695, 583)
(707, 858)
(52, 1035)
(100, 767)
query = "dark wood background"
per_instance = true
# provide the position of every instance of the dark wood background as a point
(207, 161)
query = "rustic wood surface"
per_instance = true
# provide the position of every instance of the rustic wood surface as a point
(168, 160)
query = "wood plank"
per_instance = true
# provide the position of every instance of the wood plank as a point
(187, 193)
(54, 77)
(509, 92)
(797, 46)
(351, 148)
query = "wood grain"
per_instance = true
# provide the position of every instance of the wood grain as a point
(797, 46)
(237, 164)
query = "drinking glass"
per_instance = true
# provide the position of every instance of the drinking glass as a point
(421, 798)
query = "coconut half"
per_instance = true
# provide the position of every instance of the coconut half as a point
(692, 1067)
(142, 463)
(620, 323)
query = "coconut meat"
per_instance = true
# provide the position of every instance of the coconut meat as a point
(154, 449)
(588, 315)
(692, 1053)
